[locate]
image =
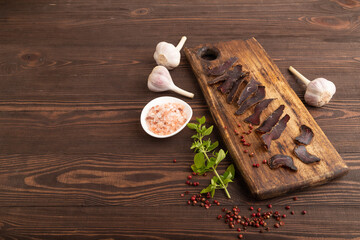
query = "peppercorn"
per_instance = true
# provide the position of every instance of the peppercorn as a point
(264, 161)
(219, 217)
(269, 206)
(238, 229)
(292, 212)
(251, 208)
(303, 212)
(295, 198)
(276, 225)
(174, 161)
(241, 236)
(287, 207)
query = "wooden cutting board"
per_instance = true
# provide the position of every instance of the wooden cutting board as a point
(263, 181)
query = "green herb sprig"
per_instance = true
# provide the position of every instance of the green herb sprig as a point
(207, 159)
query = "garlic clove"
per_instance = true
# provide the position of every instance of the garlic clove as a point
(160, 80)
(319, 92)
(167, 55)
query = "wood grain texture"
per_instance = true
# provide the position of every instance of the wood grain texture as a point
(74, 161)
(255, 60)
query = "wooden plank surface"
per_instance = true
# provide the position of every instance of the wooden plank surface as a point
(75, 163)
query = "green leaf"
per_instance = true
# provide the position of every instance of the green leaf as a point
(201, 120)
(208, 131)
(214, 180)
(213, 146)
(192, 126)
(231, 170)
(226, 181)
(199, 160)
(208, 189)
(213, 192)
(220, 156)
(194, 168)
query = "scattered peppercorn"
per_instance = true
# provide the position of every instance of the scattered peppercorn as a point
(287, 207)
(269, 206)
(295, 198)
(264, 161)
(292, 212)
(251, 208)
(303, 212)
(174, 161)
(241, 236)
(246, 151)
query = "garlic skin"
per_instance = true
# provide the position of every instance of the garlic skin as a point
(319, 92)
(160, 80)
(167, 55)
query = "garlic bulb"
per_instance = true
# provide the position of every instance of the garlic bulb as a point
(167, 55)
(318, 92)
(160, 80)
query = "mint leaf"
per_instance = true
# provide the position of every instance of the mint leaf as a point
(201, 120)
(192, 126)
(208, 131)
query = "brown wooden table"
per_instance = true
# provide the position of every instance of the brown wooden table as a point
(74, 160)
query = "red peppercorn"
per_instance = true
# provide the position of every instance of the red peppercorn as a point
(287, 207)
(219, 216)
(281, 223)
(251, 154)
(269, 206)
(258, 214)
(189, 177)
(239, 125)
(295, 198)
(182, 195)
(187, 182)
(257, 225)
(276, 225)
(251, 208)
(254, 165)
(259, 209)
(189, 202)
(303, 212)
(174, 161)
(224, 209)
(246, 151)
(193, 173)
(253, 215)
(238, 229)
(241, 236)
(292, 212)
(264, 161)
(193, 198)
(242, 136)
(284, 216)
(257, 165)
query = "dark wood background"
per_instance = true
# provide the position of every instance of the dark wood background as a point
(74, 160)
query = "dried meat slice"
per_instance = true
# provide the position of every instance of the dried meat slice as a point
(233, 76)
(270, 122)
(275, 132)
(254, 119)
(280, 160)
(301, 152)
(230, 98)
(257, 97)
(306, 135)
(220, 70)
(249, 89)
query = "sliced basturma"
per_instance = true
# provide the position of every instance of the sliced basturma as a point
(280, 160)
(306, 135)
(230, 98)
(275, 132)
(301, 152)
(231, 73)
(254, 119)
(270, 122)
(257, 97)
(249, 89)
(220, 70)
(233, 76)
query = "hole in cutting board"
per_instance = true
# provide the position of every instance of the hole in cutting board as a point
(208, 53)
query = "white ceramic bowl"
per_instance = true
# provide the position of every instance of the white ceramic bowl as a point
(163, 100)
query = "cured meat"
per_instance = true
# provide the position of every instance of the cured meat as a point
(301, 152)
(270, 122)
(280, 160)
(257, 97)
(232, 93)
(254, 119)
(249, 89)
(233, 76)
(220, 70)
(306, 135)
(229, 74)
(275, 132)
